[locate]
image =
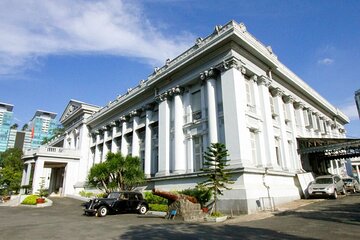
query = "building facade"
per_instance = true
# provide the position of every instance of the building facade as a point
(6, 117)
(42, 126)
(226, 88)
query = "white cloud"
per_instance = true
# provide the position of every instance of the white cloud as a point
(32, 29)
(326, 61)
(350, 110)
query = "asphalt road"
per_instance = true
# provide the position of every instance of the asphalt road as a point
(328, 219)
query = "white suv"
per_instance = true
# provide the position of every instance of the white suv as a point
(327, 186)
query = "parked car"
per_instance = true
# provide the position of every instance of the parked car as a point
(116, 202)
(327, 186)
(351, 185)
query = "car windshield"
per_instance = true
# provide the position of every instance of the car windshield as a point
(324, 181)
(347, 180)
(114, 195)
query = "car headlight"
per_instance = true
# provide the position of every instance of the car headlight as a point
(329, 188)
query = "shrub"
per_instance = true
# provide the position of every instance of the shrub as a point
(217, 214)
(201, 193)
(154, 199)
(30, 200)
(101, 195)
(158, 207)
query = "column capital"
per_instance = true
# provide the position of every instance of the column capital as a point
(276, 92)
(175, 91)
(123, 118)
(298, 105)
(161, 97)
(232, 62)
(264, 80)
(288, 99)
(209, 74)
(112, 124)
(254, 78)
(134, 113)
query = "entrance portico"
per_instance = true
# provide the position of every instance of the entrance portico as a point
(63, 163)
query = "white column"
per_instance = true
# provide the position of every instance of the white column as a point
(164, 135)
(277, 94)
(97, 153)
(105, 147)
(237, 135)
(135, 147)
(332, 166)
(148, 135)
(124, 148)
(113, 132)
(28, 174)
(179, 151)
(38, 172)
(300, 113)
(358, 172)
(209, 77)
(268, 130)
(294, 160)
(337, 167)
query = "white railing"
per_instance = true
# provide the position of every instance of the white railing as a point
(51, 151)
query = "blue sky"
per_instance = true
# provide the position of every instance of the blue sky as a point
(92, 51)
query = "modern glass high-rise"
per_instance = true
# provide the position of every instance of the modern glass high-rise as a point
(6, 117)
(42, 126)
(357, 100)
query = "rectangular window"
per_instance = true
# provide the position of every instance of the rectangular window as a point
(196, 105)
(277, 151)
(197, 152)
(249, 97)
(272, 106)
(253, 140)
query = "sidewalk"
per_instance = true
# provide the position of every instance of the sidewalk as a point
(266, 214)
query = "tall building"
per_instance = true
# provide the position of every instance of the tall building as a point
(228, 87)
(42, 125)
(6, 117)
(357, 100)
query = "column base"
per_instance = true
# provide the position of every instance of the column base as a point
(162, 174)
(178, 172)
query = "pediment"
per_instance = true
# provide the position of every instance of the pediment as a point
(70, 110)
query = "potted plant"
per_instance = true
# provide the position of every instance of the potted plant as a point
(42, 192)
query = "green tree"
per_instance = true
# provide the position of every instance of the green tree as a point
(117, 173)
(14, 126)
(25, 127)
(11, 171)
(214, 165)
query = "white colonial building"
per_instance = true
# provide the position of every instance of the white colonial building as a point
(226, 88)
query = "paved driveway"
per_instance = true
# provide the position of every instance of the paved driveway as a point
(329, 219)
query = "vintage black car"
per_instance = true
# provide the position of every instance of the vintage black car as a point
(116, 202)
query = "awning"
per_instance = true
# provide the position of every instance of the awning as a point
(330, 148)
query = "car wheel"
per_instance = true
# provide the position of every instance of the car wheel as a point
(335, 195)
(344, 191)
(143, 209)
(102, 211)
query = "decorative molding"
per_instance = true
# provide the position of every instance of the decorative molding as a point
(208, 74)
(175, 91)
(288, 99)
(298, 105)
(135, 113)
(162, 97)
(123, 118)
(276, 92)
(232, 62)
(254, 78)
(264, 80)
